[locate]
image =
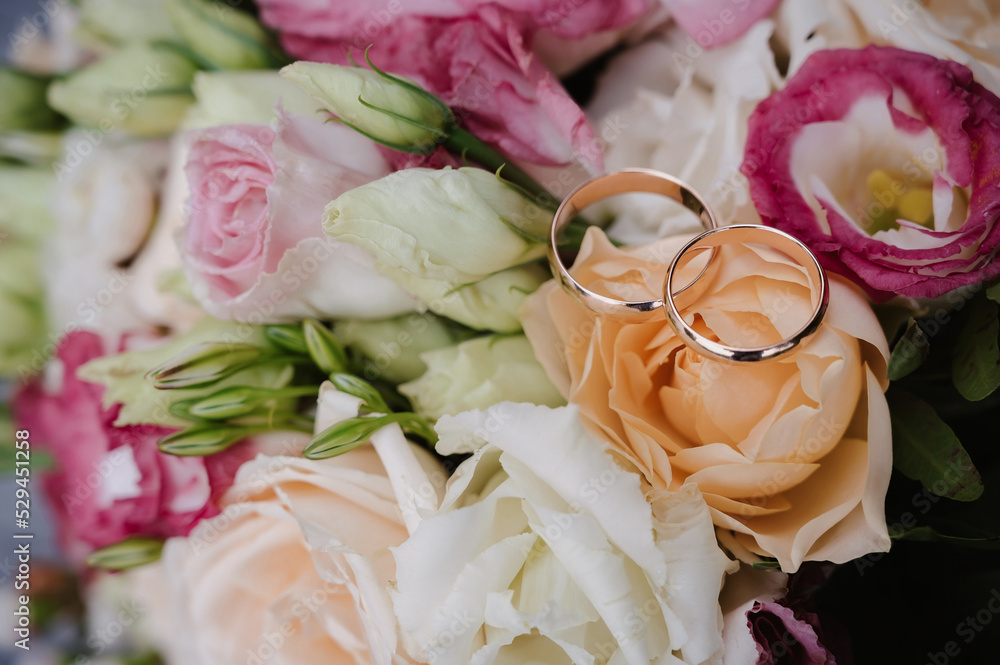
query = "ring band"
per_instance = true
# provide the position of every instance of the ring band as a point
(605, 186)
(744, 233)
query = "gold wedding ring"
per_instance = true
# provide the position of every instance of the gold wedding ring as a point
(745, 233)
(605, 186)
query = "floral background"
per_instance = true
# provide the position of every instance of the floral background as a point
(904, 606)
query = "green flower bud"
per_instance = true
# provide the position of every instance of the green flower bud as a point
(344, 436)
(118, 22)
(22, 311)
(325, 350)
(126, 382)
(202, 440)
(287, 337)
(25, 212)
(128, 553)
(222, 36)
(22, 105)
(469, 227)
(36, 148)
(479, 373)
(239, 401)
(205, 364)
(392, 347)
(144, 90)
(352, 385)
(244, 97)
(387, 109)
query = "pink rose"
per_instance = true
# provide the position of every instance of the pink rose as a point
(112, 482)
(713, 23)
(887, 164)
(484, 69)
(254, 246)
(359, 24)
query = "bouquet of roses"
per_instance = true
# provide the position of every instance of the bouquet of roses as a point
(283, 353)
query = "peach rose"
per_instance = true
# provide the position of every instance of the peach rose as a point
(294, 570)
(794, 457)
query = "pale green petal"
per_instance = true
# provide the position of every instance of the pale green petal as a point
(479, 373)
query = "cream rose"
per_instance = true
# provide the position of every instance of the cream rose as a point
(532, 559)
(793, 456)
(105, 203)
(294, 569)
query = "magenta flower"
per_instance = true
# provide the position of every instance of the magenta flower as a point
(481, 66)
(887, 164)
(358, 24)
(111, 482)
(713, 23)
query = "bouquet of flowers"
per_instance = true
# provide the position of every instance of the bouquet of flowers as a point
(293, 358)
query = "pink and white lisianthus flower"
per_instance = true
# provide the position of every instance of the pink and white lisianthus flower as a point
(887, 164)
(111, 482)
(254, 246)
(359, 24)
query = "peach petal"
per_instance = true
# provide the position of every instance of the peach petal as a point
(752, 479)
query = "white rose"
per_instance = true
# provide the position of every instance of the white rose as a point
(672, 106)
(966, 31)
(105, 202)
(546, 550)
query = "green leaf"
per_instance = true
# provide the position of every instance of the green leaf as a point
(126, 554)
(924, 448)
(910, 351)
(993, 291)
(352, 385)
(926, 534)
(345, 436)
(975, 368)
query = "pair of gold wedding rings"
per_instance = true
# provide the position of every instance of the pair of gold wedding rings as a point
(677, 300)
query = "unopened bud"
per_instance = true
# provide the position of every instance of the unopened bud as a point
(325, 349)
(387, 109)
(202, 440)
(205, 364)
(126, 554)
(287, 338)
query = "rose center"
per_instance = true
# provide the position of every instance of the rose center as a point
(893, 199)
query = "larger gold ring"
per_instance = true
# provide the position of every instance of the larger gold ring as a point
(605, 186)
(745, 233)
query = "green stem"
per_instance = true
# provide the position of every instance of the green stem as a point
(473, 149)
(295, 391)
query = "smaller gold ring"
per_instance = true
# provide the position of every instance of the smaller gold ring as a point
(605, 186)
(744, 233)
